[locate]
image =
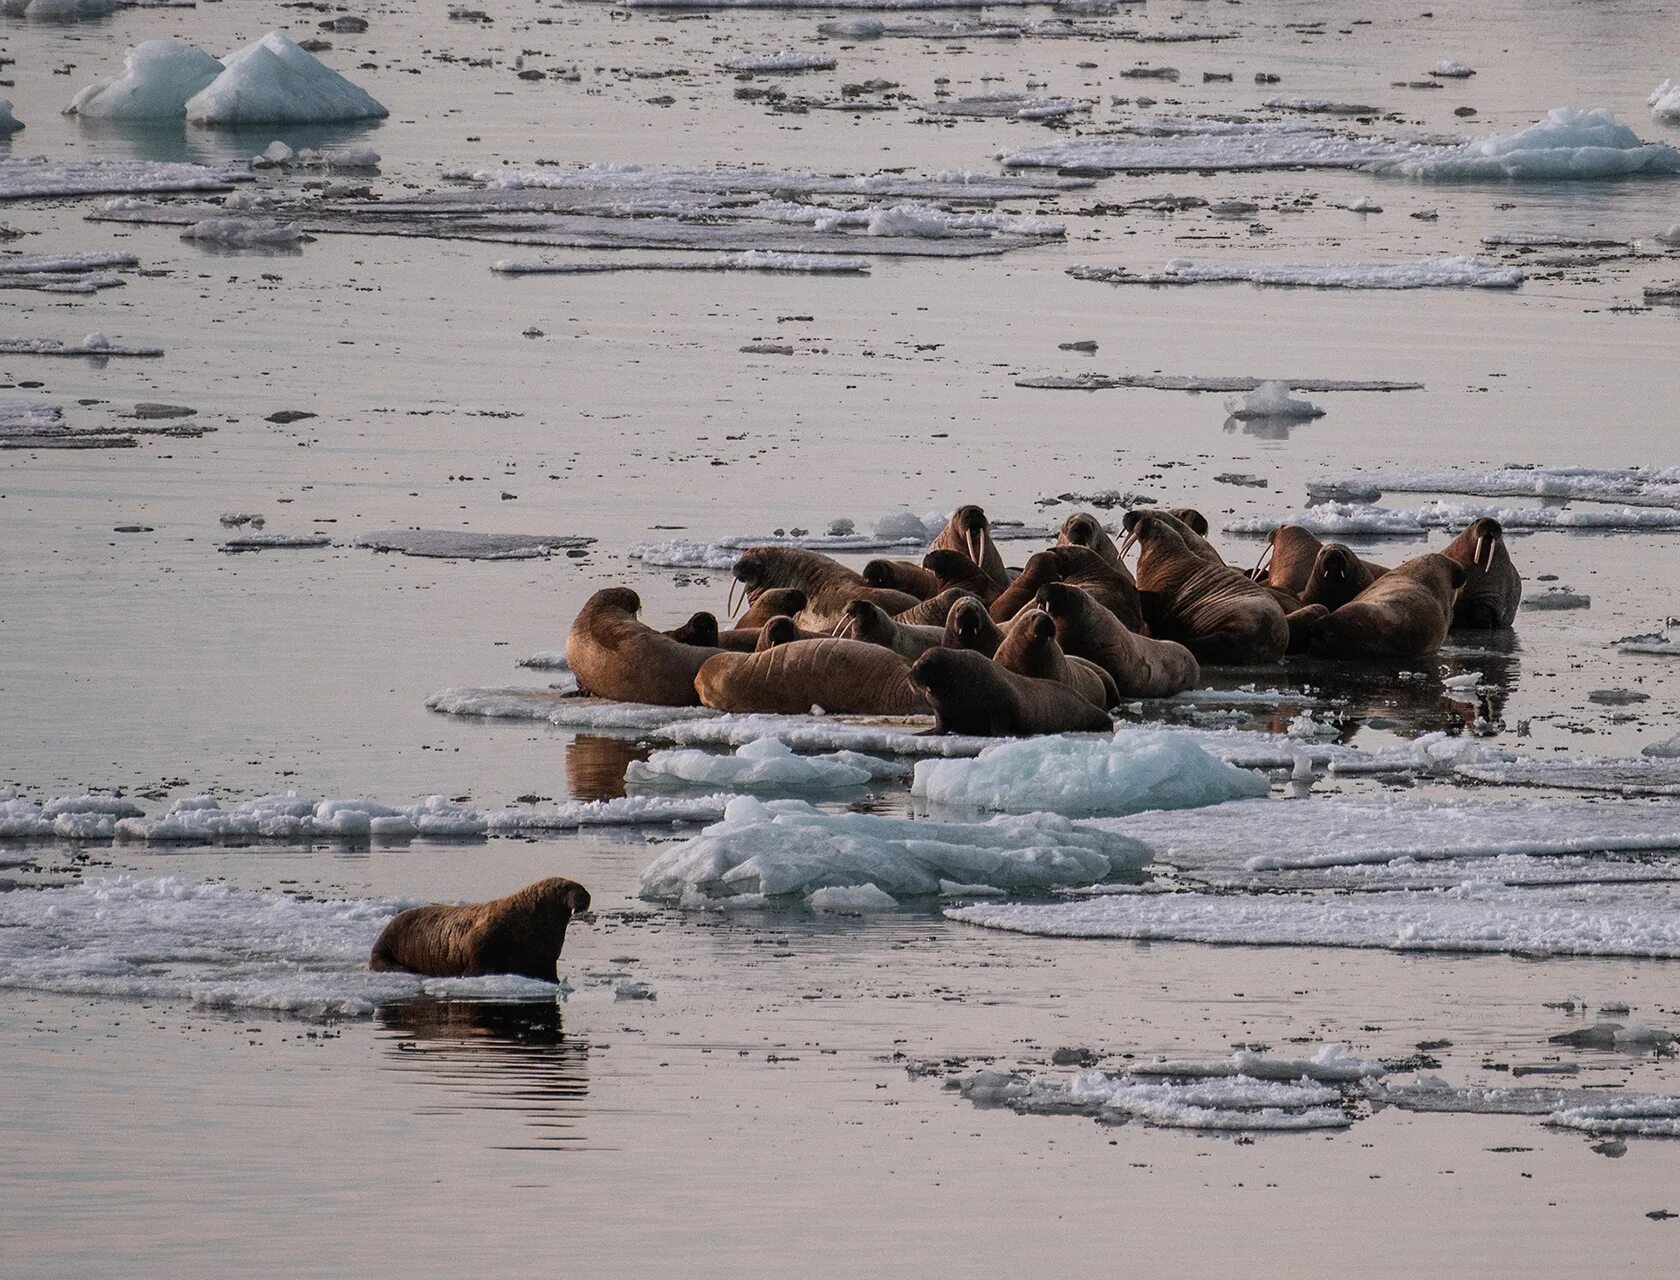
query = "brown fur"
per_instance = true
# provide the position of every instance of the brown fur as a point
(866, 622)
(933, 611)
(1084, 530)
(1337, 576)
(1292, 550)
(969, 626)
(901, 575)
(1403, 614)
(972, 694)
(701, 629)
(969, 533)
(616, 656)
(955, 569)
(774, 602)
(846, 677)
(1110, 585)
(1030, 649)
(1190, 518)
(782, 630)
(829, 586)
(1215, 611)
(1492, 586)
(522, 934)
(1139, 666)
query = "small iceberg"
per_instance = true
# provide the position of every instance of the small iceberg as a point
(1272, 400)
(766, 764)
(1568, 144)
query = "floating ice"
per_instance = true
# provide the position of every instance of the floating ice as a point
(1134, 771)
(1323, 106)
(751, 260)
(1568, 144)
(1665, 100)
(547, 660)
(851, 900)
(826, 733)
(1550, 239)
(1653, 773)
(1272, 400)
(621, 811)
(28, 418)
(159, 77)
(94, 344)
(202, 820)
(273, 81)
(9, 124)
(785, 846)
(1414, 273)
(562, 707)
(244, 233)
(765, 764)
(85, 817)
(825, 5)
(1330, 1065)
(1197, 144)
(274, 542)
(1191, 382)
(1636, 486)
(1654, 643)
(789, 60)
(1238, 1104)
(1452, 69)
(41, 178)
(1555, 598)
(1657, 1117)
(1011, 106)
(1353, 519)
(463, 544)
(622, 184)
(57, 263)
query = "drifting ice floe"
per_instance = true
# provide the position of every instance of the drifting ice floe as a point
(1133, 771)
(1190, 382)
(1553, 598)
(28, 418)
(1330, 1065)
(1272, 400)
(1568, 143)
(1665, 100)
(1009, 106)
(819, 733)
(1198, 144)
(623, 184)
(9, 124)
(1654, 774)
(785, 846)
(41, 178)
(1237, 1104)
(620, 811)
(202, 820)
(1654, 643)
(1636, 486)
(752, 260)
(94, 344)
(1452, 69)
(274, 542)
(791, 60)
(67, 818)
(461, 544)
(1415, 273)
(244, 233)
(851, 900)
(215, 945)
(159, 78)
(894, 531)
(27, 264)
(765, 764)
(1352, 519)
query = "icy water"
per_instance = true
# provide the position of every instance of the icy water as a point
(200, 1077)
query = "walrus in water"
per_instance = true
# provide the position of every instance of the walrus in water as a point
(1287, 559)
(1110, 585)
(954, 569)
(902, 575)
(521, 934)
(969, 625)
(1403, 614)
(1139, 666)
(614, 655)
(1030, 649)
(846, 677)
(1084, 530)
(1492, 586)
(972, 694)
(970, 533)
(1338, 576)
(933, 611)
(829, 586)
(867, 622)
(1219, 613)
(775, 602)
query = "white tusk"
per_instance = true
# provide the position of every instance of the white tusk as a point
(973, 540)
(1265, 557)
(733, 583)
(1127, 541)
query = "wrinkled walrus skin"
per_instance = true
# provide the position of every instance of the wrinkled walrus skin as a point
(953, 570)
(969, 532)
(971, 694)
(1218, 613)
(1110, 585)
(520, 934)
(969, 625)
(1139, 666)
(614, 655)
(1338, 576)
(844, 677)
(867, 622)
(1030, 649)
(901, 575)
(1403, 614)
(933, 611)
(1492, 586)
(1082, 529)
(829, 586)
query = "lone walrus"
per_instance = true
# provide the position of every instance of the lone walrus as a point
(521, 934)
(615, 655)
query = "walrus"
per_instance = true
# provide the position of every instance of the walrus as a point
(782, 630)
(1492, 586)
(969, 625)
(1193, 531)
(847, 677)
(1403, 614)
(740, 639)
(701, 628)
(828, 585)
(614, 655)
(955, 569)
(972, 694)
(901, 575)
(1030, 649)
(970, 533)
(933, 611)
(522, 933)
(867, 622)
(1139, 666)
(776, 602)
(1190, 518)
(1219, 613)
(1337, 576)
(1110, 585)
(1083, 530)
(1287, 559)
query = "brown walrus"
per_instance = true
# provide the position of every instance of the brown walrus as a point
(1492, 586)
(1337, 576)
(901, 575)
(782, 630)
(955, 569)
(1082, 529)
(970, 533)
(846, 677)
(614, 655)
(1219, 613)
(972, 694)
(701, 628)
(1110, 585)
(1030, 649)
(867, 622)
(828, 585)
(969, 625)
(933, 611)
(1139, 666)
(740, 639)
(1403, 614)
(1193, 531)
(1190, 518)
(1288, 557)
(776, 602)
(521, 934)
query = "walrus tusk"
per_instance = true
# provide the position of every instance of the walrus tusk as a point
(733, 583)
(1265, 558)
(973, 539)
(843, 628)
(1127, 541)
(1484, 553)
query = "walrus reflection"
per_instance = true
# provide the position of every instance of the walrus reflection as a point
(595, 765)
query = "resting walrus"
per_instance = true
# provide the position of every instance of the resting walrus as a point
(1110, 585)
(969, 626)
(1219, 613)
(970, 533)
(954, 570)
(847, 677)
(901, 575)
(1492, 586)
(972, 694)
(521, 933)
(614, 655)
(829, 586)
(1338, 576)
(774, 602)
(1287, 559)
(1030, 649)
(1403, 614)
(867, 622)
(1084, 530)
(933, 611)
(1139, 666)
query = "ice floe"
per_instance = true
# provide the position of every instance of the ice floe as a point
(1665, 100)
(608, 185)
(94, 344)
(1235, 1104)
(1134, 771)
(1413, 273)
(851, 900)
(1555, 598)
(244, 233)
(1452, 69)
(1568, 143)
(1350, 519)
(59, 263)
(255, 541)
(273, 81)
(39, 178)
(751, 260)
(1332, 1064)
(788, 60)
(158, 79)
(785, 847)
(1652, 643)
(9, 123)
(1653, 774)
(1635, 486)
(463, 544)
(1200, 144)
(765, 764)
(1194, 383)
(87, 817)
(1272, 400)
(620, 811)
(202, 820)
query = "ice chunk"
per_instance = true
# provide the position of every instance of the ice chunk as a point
(621, 811)
(765, 764)
(86, 817)
(158, 78)
(9, 123)
(1568, 144)
(274, 542)
(1636, 486)
(463, 544)
(1272, 400)
(1557, 598)
(1452, 69)
(202, 820)
(28, 264)
(823, 733)
(1665, 100)
(784, 846)
(245, 233)
(548, 660)
(1200, 144)
(788, 60)
(273, 81)
(750, 260)
(40, 177)
(1652, 643)
(1192, 382)
(1649, 774)
(1651, 1117)
(1667, 749)
(1414, 273)
(1331, 1064)
(851, 900)
(1353, 519)
(1134, 771)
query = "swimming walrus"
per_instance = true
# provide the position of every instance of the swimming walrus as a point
(520, 934)
(969, 625)
(1403, 614)
(869, 623)
(954, 569)
(775, 602)
(970, 533)
(1082, 529)
(1219, 613)
(828, 585)
(1492, 586)
(972, 694)
(901, 575)
(614, 655)
(1140, 667)
(1030, 649)
(933, 611)
(846, 677)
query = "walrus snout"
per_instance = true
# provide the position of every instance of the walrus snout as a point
(1053, 599)
(1488, 533)
(1039, 624)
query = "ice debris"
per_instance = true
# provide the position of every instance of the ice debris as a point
(765, 764)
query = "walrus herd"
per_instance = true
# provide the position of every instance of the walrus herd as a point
(1051, 647)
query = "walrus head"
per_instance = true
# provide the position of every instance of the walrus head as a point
(879, 573)
(1190, 518)
(954, 569)
(700, 629)
(778, 630)
(863, 620)
(971, 522)
(1082, 530)
(1038, 623)
(616, 598)
(952, 672)
(1150, 526)
(752, 571)
(1487, 534)
(969, 625)
(551, 895)
(773, 602)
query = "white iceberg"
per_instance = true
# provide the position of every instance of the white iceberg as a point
(620, 811)
(790, 60)
(1665, 100)
(1355, 519)
(158, 79)
(1272, 400)
(1568, 144)
(273, 81)
(244, 233)
(1134, 771)
(765, 764)
(1238, 1104)
(9, 124)
(1452, 69)
(1636, 486)
(851, 900)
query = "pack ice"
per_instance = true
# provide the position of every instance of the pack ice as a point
(1352, 519)
(1568, 143)
(1414, 273)
(1635, 486)
(1235, 1104)
(766, 764)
